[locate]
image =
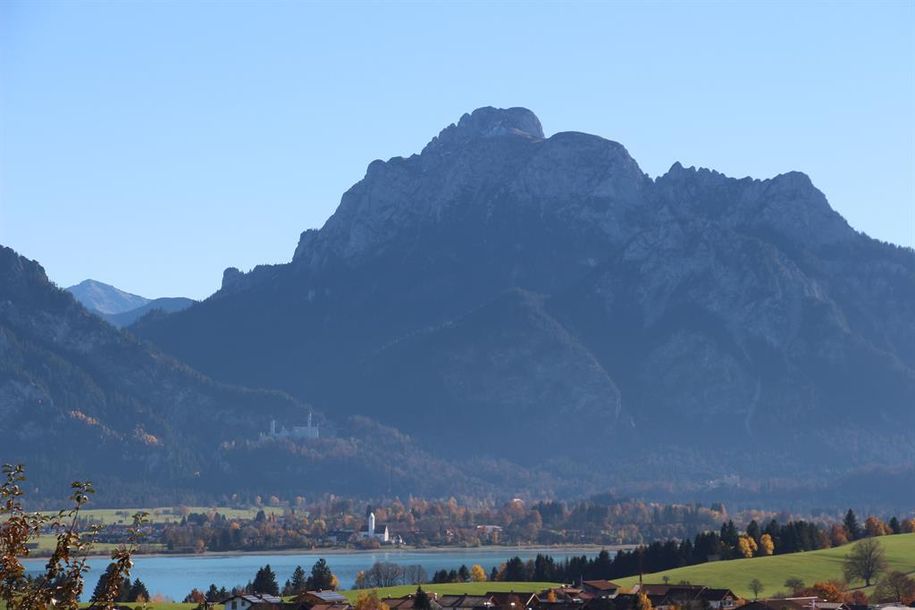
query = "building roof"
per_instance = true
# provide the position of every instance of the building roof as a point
(567, 604)
(601, 585)
(773, 604)
(508, 598)
(334, 606)
(255, 598)
(406, 602)
(379, 529)
(463, 601)
(660, 591)
(328, 597)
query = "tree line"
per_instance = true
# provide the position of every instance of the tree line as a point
(726, 543)
(265, 582)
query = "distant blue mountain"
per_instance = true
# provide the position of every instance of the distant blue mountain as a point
(122, 308)
(102, 298)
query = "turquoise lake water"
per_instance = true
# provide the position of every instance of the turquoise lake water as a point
(175, 576)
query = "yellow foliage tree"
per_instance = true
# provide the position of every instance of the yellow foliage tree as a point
(643, 603)
(369, 601)
(477, 573)
(747, 546)
(766, 545)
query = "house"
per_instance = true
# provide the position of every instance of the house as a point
(334, 606)
(599, 588)
(406, 602)
(560, 595)
(373, 530)
(257, 601)
(774, 604)
(464, 602)
(666, 597)
(339, 536)
(312, 599)
(513, 600)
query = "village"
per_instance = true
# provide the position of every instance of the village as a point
(586, 595)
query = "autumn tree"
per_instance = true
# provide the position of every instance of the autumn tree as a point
(477, 573)
(61, 582)
(766, 545)
(756, 587)
(195, 597)
(856, 598)
(368, 600)
(874, 526)
(642, 602)
(837, 535)
(747, 546)
(895, 587)
(829, 590)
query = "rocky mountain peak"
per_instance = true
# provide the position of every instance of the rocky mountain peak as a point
(489, 122)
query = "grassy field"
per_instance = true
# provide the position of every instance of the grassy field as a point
(47, 543)
(166, 514)
(811, 567)
(471, 588)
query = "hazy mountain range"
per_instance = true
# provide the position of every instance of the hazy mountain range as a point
(122, 308)
(538, 314)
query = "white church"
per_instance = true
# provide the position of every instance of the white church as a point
(373, 530)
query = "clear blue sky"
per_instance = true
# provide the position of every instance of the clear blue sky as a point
(152, 144)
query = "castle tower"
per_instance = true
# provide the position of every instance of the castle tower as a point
(371, 528)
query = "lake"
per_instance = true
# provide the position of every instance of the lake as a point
(174, 576)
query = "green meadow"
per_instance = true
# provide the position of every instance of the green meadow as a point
(811, 567)
(165, 514)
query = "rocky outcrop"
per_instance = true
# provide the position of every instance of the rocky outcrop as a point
(693, 306)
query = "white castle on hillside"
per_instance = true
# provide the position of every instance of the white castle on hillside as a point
(306, 431)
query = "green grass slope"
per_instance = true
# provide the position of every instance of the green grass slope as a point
(811, 567)
(470, 588)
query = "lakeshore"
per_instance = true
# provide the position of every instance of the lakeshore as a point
(175, 575)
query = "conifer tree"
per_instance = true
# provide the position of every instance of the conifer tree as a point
(851, 525)
(265, 582)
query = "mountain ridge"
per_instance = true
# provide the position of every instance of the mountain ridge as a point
(121, 308)
(83, 400)
(717, 307)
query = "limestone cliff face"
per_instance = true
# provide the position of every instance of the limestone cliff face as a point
(548, 280)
